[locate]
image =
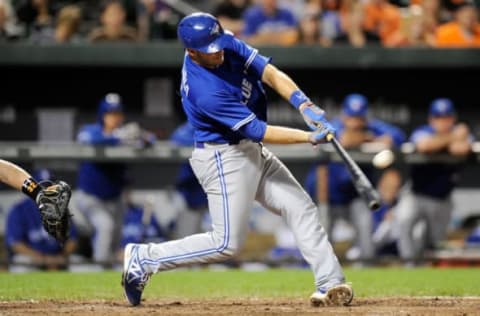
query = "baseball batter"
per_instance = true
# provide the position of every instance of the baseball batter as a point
(223, 97)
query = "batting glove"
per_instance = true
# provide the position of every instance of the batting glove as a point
(318, 136)
(314, 116)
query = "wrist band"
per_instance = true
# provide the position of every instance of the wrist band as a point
(298, 98)
(31, 188)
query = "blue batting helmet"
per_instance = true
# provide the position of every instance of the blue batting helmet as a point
(355, 105)
(202, 32)
(442, 107)
(112, 102)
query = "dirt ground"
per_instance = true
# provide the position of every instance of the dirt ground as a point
(360, 306)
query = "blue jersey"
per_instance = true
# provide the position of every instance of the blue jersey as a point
(256, 21)
(135, 231)
(103, 180)
(341, 190)
(186, 182)
(433, 179)
(24, 224)
(228, 103)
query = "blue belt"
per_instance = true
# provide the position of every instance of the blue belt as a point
(202, 144)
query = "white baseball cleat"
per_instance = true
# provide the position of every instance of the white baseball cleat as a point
(339, 295)
(134, 277)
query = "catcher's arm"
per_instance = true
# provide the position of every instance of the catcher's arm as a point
(14, 175)
(52, 200)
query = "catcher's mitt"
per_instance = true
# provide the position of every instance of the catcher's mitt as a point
(53, 202)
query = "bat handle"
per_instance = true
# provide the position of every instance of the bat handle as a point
(329, 137)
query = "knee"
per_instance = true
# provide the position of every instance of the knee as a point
(227, 246)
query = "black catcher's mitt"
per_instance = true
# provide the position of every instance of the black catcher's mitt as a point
(53, 202)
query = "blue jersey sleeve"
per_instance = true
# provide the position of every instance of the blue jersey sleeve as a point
(224, 108)
(92, 135)
(255, 63)
(420, 133)
(382, 128)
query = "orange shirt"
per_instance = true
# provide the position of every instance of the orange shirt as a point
(451, 35)
(382, 19)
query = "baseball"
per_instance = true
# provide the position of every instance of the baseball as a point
(383, 159)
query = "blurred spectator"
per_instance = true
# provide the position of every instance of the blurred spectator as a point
(113, 27)
(310, 32)
(429, 199)
(353, 31)
(230, 14)
(433, 12)
(9, 28)
(297, 7)
(382, 18)
(67, 24)
(463, 31)
(38, 16)
(330, 19)
(29, 246)
(268, 24)
(100, 185)
(189, 199)
(331, 186)
(416, 30)
(310, 26)
(156, 20)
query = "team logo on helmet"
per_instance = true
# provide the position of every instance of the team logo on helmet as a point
(215, 30)
(356, 104)
(442, 106)
(112, 98)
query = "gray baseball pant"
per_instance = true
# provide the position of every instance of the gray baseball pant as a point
(233, 176)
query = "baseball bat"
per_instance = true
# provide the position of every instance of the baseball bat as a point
(363, 186)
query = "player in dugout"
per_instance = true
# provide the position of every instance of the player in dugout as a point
(429, 197)
(225, 101)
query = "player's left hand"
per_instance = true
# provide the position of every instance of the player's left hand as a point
(319, 136)
(314, 116)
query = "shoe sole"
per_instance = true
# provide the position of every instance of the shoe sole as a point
(340, 295)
